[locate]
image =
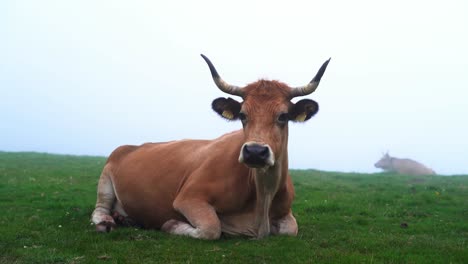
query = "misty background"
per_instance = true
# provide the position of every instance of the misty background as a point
(83, 77)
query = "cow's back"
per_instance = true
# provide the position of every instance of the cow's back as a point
(411, 167)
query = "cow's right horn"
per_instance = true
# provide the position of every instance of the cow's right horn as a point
(222, 85)
(310, 87)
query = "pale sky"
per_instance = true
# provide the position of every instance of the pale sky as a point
(83, 77)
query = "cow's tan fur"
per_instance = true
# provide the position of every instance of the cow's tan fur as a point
(202, 188)
(200, 184)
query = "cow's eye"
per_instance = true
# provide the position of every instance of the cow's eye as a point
(283, 118)
(242, 117)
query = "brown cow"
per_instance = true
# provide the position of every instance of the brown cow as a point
(236, 184)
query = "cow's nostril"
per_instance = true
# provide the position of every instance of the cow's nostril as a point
(264, 152)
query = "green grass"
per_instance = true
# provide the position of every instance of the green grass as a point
(46, 201)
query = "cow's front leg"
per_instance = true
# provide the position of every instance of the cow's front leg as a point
(285, 226)
(203, 220)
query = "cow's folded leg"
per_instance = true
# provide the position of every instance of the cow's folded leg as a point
(105, 200)
(285, 226)
(203, 221)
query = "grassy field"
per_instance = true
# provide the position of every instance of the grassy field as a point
(46, 201)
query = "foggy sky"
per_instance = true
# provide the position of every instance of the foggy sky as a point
(83, 77)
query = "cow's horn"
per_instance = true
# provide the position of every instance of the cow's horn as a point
(310, 87)
(222, 85)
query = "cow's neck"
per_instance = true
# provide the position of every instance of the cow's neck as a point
(267, 182)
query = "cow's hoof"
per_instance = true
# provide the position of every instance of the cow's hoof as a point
(169, 225)
(105, 227)
(122, 220)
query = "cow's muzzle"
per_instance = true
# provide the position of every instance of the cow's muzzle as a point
(256, 155)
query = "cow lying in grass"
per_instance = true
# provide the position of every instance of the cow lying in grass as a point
(403, 166)
(237, 184)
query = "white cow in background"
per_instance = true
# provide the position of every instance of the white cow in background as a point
(403, 166)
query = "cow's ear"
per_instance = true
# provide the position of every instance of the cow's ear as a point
(227, 108)
(303, 110)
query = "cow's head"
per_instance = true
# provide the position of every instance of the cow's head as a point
(384, 163)
(265, 112)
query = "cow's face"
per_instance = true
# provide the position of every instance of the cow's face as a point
(265, 113)
(384, 163)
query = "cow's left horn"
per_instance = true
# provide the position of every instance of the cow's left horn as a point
(310, 87)
(222, 85)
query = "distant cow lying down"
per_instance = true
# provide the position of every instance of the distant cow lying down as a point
(403, 166)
